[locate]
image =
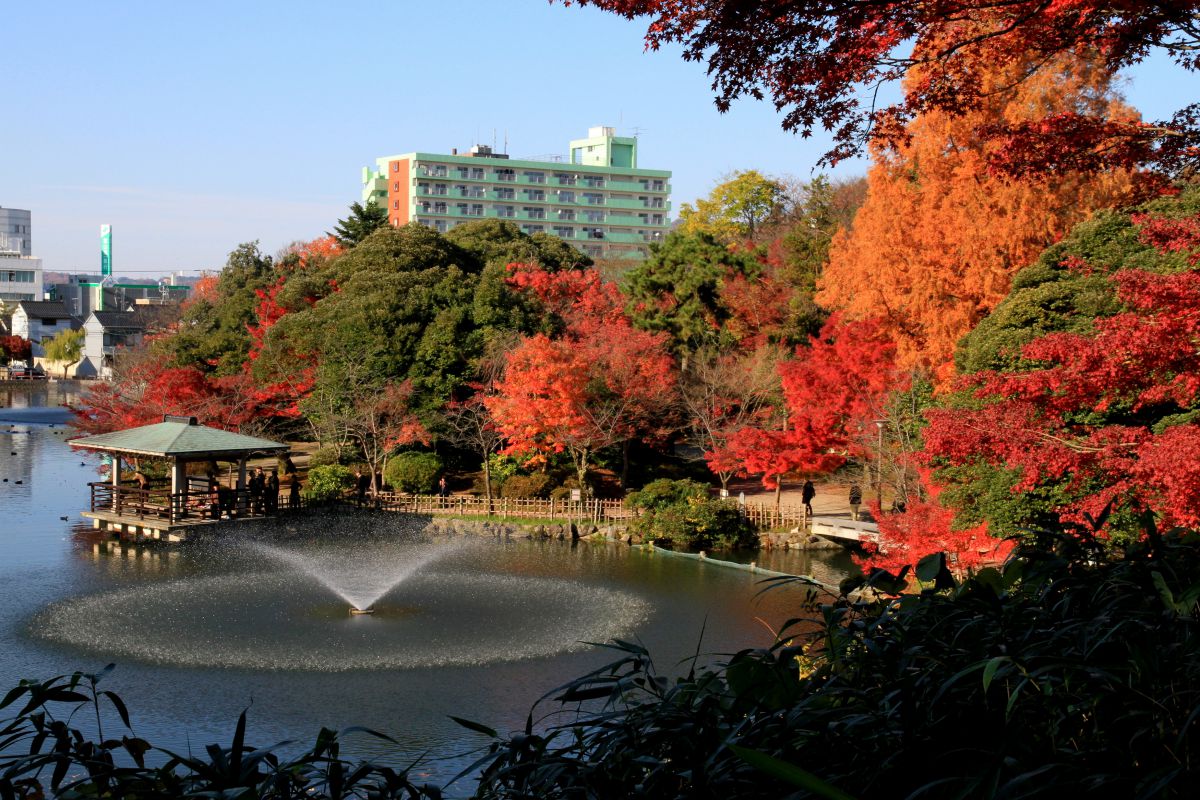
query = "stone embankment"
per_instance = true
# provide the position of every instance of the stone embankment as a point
(795, 539)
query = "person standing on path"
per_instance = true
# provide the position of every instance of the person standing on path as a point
(855, 500)
(272, 492)
(294, 492)
(807, 494)
(443, 490)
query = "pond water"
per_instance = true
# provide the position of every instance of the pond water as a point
(473, 627)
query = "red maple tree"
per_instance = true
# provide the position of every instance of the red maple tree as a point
(1107, 416)
(601, 382)
(832, 390)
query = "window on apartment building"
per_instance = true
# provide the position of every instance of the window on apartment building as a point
(657, 202)
(395, 166)
(564, 231)
(534, 212)
(530, 229)
(475, 191)
(462, 208)
(439, 208)
(593, 250)
(460, 190)
(657, 219)
(535, 194)
(535, 177)
(594, 216)
(441, 189)
(566, 196)
(593, 233)
(438, 171)
(566, 213)
(506, 193)
(593, 198)
(440, 226)
(396, 204)
(506, 211)
(463, 172)
(422, 188)
(594, 181)
(564, 179)
(396, 186)
(476, 209)
(506, 174)
(476, 173)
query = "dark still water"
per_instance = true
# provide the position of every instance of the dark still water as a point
(477, 628)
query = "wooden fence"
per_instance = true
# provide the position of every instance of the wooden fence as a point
(764, 516)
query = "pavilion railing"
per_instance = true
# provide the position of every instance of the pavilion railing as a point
(160, 504)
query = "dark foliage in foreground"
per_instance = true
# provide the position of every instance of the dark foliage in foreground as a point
(1048, 678)
(1056, 675)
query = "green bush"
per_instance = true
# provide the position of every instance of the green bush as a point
(413, 472)
(683, 515)
(327, 482)
(527, 486)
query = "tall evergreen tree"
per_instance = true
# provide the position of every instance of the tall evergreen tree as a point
(362, 222)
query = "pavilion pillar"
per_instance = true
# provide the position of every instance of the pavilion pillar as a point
(116, 483)
(241, 486)
(179, 486)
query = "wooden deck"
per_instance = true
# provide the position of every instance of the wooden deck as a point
(156, 515)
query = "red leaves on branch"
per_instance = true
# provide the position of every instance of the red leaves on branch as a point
(926, 528)
(600, 383)
(14, 347)
(1108, 416)
(833, 390)
(814, 60)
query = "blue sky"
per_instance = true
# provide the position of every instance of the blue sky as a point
(193, 127)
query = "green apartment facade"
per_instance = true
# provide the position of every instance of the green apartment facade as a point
(599, 200)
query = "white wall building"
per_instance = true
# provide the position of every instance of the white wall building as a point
(40, 321)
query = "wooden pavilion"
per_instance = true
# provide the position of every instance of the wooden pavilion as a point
(168, 512)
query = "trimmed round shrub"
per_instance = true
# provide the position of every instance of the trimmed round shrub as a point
(527, 486)
(327, 482)
(683, 515)
(413, 472)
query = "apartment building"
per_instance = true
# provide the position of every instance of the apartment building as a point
(597, 198)
(20, 272)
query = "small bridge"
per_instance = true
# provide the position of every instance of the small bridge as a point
(844, 530)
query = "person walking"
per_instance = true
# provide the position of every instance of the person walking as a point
(855, 500)
(443, 490)
(807, 493)
(272, 492)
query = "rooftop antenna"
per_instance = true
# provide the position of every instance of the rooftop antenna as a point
(506, 141)
(637, 131)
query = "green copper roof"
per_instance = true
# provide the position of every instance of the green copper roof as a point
(177, 436)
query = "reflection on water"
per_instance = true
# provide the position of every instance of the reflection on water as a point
(511, 594)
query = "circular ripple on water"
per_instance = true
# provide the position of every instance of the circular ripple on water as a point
(278, 621)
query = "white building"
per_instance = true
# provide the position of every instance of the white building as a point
(20, 272)
(105, 332)
(39, 321)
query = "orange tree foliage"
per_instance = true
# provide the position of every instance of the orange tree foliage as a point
(935, 246)
(1097, 408)
(833, 389)
(600, 382)
(818, 62)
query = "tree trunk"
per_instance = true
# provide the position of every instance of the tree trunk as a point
(487, 479)
(625, 465)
